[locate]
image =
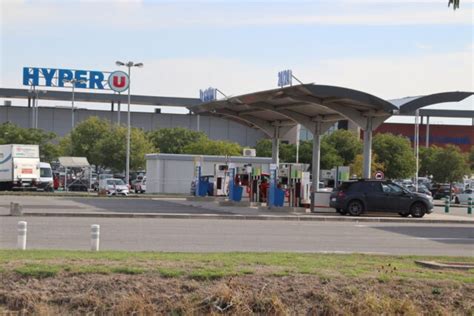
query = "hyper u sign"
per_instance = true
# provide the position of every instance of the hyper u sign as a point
(86, 79)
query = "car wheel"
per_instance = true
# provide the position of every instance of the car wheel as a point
(404, 214)
(418, 210)
(355, 208)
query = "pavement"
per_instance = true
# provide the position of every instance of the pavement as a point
(179, 207)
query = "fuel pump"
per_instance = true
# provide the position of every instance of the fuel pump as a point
(221, 177)
(255, 183)
(276, 196)
(291, 180)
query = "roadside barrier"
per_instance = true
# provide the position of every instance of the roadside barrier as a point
(469, 206)
(95, 235)
(21, 240)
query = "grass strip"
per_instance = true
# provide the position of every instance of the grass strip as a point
(212, 266)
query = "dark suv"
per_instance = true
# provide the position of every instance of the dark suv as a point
(357, 197)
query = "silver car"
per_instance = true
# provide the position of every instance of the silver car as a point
(116, 187)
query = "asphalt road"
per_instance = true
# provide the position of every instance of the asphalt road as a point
(200, 235)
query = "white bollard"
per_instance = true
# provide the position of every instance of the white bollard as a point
(21, 241)
(95, 234)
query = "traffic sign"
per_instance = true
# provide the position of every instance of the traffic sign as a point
(379, 175)
(119, 81)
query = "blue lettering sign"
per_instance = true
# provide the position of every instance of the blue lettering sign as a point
(30, 76)
(285, 78)
(208, 95)
(80, 75)
(64, 74)
(48, 75)
(95, 80)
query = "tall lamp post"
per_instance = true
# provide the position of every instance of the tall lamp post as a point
(129, 65)
(73, 82)
(36, 93)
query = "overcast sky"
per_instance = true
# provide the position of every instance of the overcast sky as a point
(389, 48)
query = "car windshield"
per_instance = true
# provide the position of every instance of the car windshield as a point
(115, 182)
(45, 173)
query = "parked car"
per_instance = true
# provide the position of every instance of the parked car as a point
(357, 197)
(116, 187)
(421, 189)
(139, 186)
(463, 198)
(441, 191)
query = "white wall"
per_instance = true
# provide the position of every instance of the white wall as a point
(167, 173)
(58, 120)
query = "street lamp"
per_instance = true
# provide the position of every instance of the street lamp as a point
(36, 93)
(129, 65)
(73, 83)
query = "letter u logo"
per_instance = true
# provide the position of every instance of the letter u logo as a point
(119, 82)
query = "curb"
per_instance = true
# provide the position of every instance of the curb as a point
(315, 218)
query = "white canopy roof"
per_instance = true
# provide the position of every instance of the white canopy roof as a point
(78, 162)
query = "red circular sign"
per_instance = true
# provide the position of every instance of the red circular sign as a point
(379, 175)
(119, 81)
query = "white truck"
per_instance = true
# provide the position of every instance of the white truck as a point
(19, 166)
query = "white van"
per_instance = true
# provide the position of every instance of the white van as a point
(46, 177)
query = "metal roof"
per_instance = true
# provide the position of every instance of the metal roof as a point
(304, 104)
(74, 162)
(410, 104)
(99, 97)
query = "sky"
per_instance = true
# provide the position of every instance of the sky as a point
(388, 48)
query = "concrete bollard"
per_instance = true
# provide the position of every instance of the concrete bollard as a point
(469, 206)
(16, 209)
(95, 237)
(446, 205)
(21, 240)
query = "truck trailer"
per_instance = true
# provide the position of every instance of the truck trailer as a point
(19, 166)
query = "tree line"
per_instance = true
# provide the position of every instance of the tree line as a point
(104, 145)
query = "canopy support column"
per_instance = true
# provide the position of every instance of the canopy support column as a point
(276, 145)
(367, 149)
(315, 164)
(427, 136)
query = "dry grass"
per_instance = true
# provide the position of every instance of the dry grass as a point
(115, 283)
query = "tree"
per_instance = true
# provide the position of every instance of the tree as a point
(264, 147)
(346, 144)
(85, 137)
(110, 150)
(14, 134)
(207, 146)
(428, 160)
(396, 154)
(173, 140)
(357, 166)
(329, 156)
(449, 165)
(287, 152)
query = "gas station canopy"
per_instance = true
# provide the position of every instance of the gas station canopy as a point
(303, 104)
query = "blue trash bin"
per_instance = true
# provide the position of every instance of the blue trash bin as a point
(203, 187)
(279, 197)
(238, 190)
